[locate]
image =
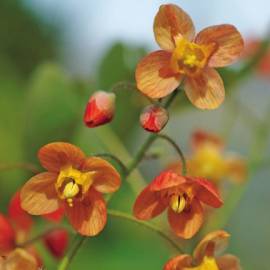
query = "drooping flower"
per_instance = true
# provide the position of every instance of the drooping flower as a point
(183, 196)
(154, 118)
(73, 181)
(19, 259)
(186, 57)
(208, 160)
(100, 109)
(205, 255)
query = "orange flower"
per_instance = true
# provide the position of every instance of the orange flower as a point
(208, 160)
(183, 196)
(17, 260)
(73, 181)
(204, 256)
(185, 56)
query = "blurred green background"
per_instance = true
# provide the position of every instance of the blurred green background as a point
(46, 78)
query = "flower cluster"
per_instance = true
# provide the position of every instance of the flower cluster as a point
(73, 184)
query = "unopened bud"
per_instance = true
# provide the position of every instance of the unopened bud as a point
(100, 109)
(154, 118)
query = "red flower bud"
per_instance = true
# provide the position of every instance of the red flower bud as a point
(154, 118)
(57, 242)
(7, 236)
(20, 219)
(100, 109)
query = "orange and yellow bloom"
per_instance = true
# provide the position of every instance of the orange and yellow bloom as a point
(205, 255)
(17, 260)
(184, 56)
(72, 181)
(183, 196)
(209, 160)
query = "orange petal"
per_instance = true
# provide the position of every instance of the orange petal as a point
(236, 169)
(53, 156)
(205, 91)
(229, 262)
(167, 179)
(153, 76)
(218, 238)
(88, 217)
(148, 205)
(229, 42)
(38, 195)
(179, 262)
(106, 178)
(20, 259)
(187, 223)
(208, 193)
(170, 22)
(201, 137)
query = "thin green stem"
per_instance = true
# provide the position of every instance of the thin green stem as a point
(178, 150)
(140, 154)
(38, 237)
(22, 165)
(116, 159)
(151, 138)
(66, 261)
(150, 226)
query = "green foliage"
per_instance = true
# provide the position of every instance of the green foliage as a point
(52, 109)
(25, 41)
(118, 65)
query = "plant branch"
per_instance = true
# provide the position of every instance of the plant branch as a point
(21, 165)
(154, 228)
(178, 150)
(116, 159)
(66, 261)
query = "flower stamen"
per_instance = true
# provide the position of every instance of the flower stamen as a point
(70, 191)
(178, 203)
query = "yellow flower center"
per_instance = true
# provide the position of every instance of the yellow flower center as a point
(208, 263)
(208, 162)
(190, 58)
(72, 183)
(178, 203)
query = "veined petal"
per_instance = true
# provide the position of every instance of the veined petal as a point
(55, 216)
(106, 177)
(19, 259)
(187, 223)
(154, 77)
(54, 156)
(217, 238)
(167, 179)
(38, 195)
(228, 262)
(229, 42)
(88, 217)
(205, 91)
(148, 205)
(207, 193)
(170, 22)
(180, 262)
